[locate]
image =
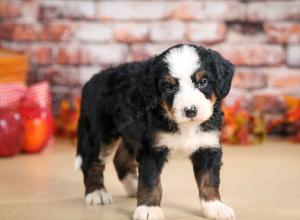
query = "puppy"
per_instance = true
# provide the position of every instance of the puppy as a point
(144, 111)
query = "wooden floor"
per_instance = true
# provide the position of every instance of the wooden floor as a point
(259, 182)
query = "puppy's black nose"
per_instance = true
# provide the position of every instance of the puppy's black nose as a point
(190, 112)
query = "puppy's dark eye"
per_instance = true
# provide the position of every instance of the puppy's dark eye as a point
(202, 83)
(169, 88)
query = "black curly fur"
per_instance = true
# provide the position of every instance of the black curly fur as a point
(123, 101)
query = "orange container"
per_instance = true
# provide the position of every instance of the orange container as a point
(14, 66)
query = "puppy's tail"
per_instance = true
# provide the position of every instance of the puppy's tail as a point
(82, 131)
(81, 136)
(77, 162)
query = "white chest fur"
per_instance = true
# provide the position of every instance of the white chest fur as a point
(188, 139)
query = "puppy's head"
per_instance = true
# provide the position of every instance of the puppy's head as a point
(190, 80)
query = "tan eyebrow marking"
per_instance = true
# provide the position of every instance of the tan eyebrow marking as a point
(169, 79)
(199, 75)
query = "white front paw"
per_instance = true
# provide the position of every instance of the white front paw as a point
(217, 210)
(98, 197)
(148, 213)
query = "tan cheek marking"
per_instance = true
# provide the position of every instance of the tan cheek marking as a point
(213, 98)
(167, 109)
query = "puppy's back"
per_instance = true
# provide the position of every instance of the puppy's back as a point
(115, 83)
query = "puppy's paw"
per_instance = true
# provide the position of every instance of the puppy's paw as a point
(217, 210)
(98, 197)
(148, 213)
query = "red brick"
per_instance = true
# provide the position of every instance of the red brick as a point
(9, 9)
(107, 54)
(252, 54)
(234, 36)
(209, 10)
(51, 9)
(29, 10)
(249, 79)
(85, 73)
(94, 32)
(18, 31)
(134, 10)
(283, 77)
(92, 54)
(288, 81)
(144, 51)
(56, 32)
(273, 10)
(209, 32)
(283, 32)
(64, 76)
(70, 56)
(131, 32)
(41, 55)
(29, 32)
(21, 46)
(167, 31)
(293, 55)
(47, 13)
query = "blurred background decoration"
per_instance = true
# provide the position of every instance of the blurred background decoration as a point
(67, 117)
(64, 42)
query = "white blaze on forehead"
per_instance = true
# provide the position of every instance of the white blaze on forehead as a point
(182, 61)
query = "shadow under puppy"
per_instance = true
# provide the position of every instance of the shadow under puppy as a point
(145, 110)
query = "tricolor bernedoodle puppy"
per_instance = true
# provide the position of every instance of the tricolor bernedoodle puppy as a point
(144, 111)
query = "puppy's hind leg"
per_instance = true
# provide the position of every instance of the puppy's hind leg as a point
(126, 167)
(93, 165)
(95, 192)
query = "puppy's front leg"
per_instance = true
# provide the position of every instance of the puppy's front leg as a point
(206, 165)
(149, 187)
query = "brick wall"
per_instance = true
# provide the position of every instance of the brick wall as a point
(69, 40)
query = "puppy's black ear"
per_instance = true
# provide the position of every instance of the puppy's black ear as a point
(224, 73)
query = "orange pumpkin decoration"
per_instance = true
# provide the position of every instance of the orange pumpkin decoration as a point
(36, 132)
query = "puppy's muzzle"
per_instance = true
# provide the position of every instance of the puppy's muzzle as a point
(190, 112)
